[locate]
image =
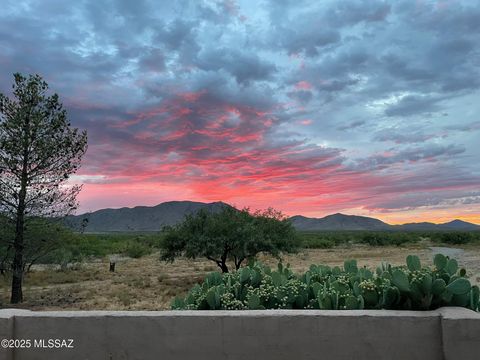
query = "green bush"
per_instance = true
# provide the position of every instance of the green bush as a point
(85, 246)
(456, 238)
(328, 239)
(65, 257)
(386, 238)
(410, 287)
(136, 250)
(316, 241)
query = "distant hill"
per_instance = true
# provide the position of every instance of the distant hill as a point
(140, 218)
(459, 225)
(421, 226)
(455, 225)
(338, 222)
(352, 222)
(145, 218)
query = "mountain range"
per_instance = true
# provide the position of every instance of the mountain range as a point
(146, 218)
(353, 222)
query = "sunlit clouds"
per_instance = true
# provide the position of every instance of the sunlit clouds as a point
(366, 108)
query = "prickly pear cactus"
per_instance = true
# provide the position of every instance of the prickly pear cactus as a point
(411, 286)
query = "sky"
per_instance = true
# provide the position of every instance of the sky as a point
(311, 107)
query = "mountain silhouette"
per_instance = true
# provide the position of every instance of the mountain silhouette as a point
(154, 218)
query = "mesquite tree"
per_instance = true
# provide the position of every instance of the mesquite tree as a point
(230, 235)
(39, 150)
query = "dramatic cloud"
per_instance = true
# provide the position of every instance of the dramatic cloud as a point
(311, 107)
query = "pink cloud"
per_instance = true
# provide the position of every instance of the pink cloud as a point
(305, 122)
(303, 85)
(198, 147)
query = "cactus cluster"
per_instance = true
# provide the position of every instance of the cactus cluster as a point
(410, 287)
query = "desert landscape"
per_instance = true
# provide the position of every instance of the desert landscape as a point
(149, 284)
(168, 166)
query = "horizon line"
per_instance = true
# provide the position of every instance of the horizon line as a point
(289, 216)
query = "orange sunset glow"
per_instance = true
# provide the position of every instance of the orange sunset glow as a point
(313, 109)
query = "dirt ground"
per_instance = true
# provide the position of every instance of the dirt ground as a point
(149, 284)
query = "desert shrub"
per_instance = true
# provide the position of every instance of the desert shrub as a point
(410, 287)
(78, 247)
(66, 258)
(455, 238)
(387, 238)
(124, 297)
(136, 250)
(320, 240)
(374, 239)
(155, 241)
(326, 239)
(314, 242)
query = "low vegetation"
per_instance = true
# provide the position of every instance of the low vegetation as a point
(329, 239)
(152, 284)
(56, 245)
(59, 246)
(410, 287)
(457, 237)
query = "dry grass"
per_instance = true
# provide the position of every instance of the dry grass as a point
(149, 284)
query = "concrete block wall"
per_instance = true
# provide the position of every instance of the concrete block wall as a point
(448, 333)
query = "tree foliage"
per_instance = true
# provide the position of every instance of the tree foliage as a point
(43, 239)
(39, 150)
(230, 235)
